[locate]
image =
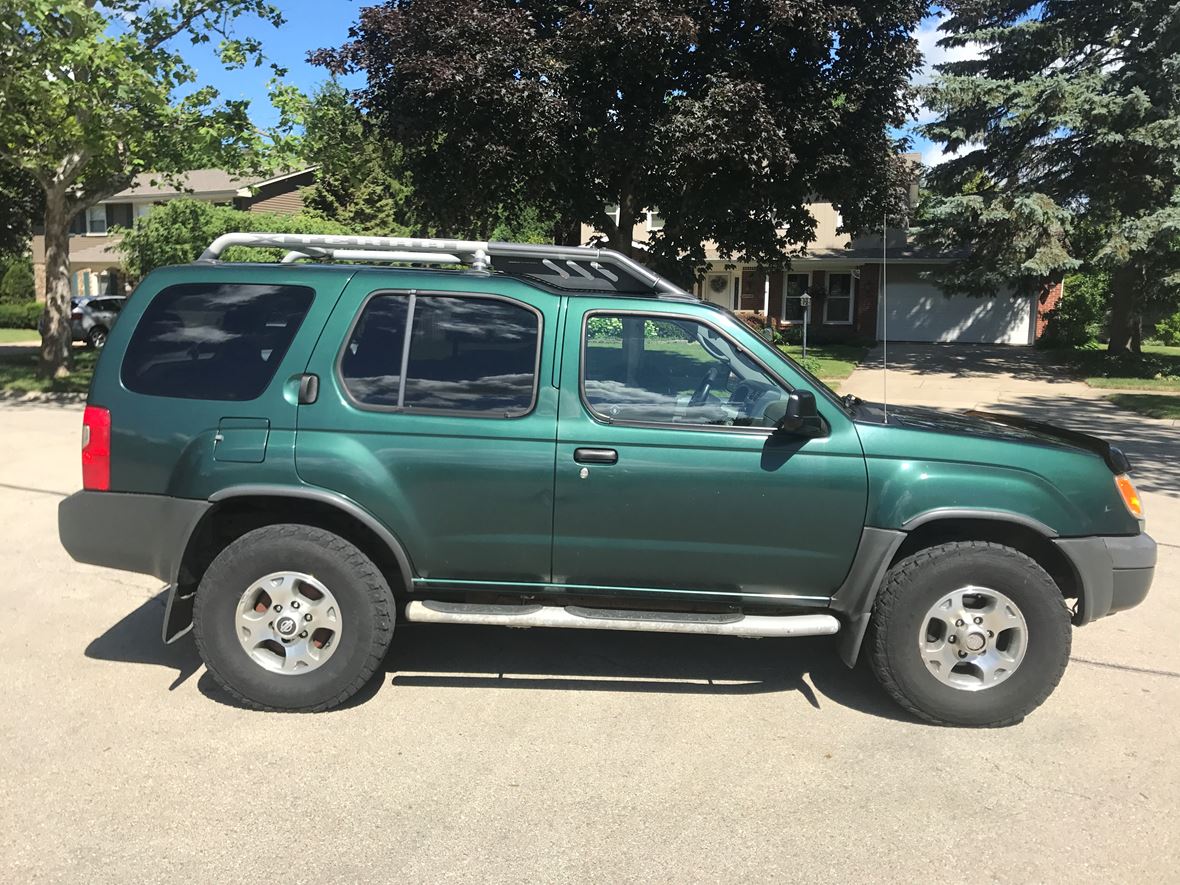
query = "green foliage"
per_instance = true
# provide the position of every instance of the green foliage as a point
(16, 279)
(604, 327)
(1066, 130)
(1168, 330)
(20, 202)
(20, 314)
(180, 230)
(1078, 317)
(728, 117)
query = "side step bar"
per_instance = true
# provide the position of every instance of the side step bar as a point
(579, 618)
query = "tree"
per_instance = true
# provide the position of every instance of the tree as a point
(180, 230)
(16, 279)
(19, 205)
(92, 94)
(1067, 135)
(728, 117)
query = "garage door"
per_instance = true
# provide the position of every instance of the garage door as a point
(918, 311)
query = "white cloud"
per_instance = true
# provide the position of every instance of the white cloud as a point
(933, 154)
(928, 36)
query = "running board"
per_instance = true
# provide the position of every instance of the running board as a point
(580, 618)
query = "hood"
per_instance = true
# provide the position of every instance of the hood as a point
(994, 425)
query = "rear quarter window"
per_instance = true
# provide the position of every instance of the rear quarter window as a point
(218, 341)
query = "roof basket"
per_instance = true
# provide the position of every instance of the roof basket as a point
(572, 268)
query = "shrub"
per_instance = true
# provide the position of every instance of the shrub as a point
(16, 280)
(1078, 316)
(1168, 330)
(20, 314)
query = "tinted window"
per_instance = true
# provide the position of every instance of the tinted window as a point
(657, 370)
(467, 354)
(210, 341)
(372, 360)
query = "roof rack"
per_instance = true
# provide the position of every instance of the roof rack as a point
(572, 268)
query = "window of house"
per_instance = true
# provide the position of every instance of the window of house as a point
(655, 221)
(612, 212)
(217, 341)
(838, 303)
(794, 286)
(119, 215)
(467, 354)
(659, 370)
(96, 220)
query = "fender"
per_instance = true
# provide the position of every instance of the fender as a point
(332, 499)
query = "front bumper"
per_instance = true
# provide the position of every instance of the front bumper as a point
(136, 533)
(1115, 572)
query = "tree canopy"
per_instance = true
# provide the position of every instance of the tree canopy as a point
(92, 94)
(1066, 135)
(728, 117)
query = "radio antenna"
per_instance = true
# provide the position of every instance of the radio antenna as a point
(884, 323)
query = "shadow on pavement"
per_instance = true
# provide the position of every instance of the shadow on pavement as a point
(969, 361)
(1152, 446)
(464, 657)
(136, 640)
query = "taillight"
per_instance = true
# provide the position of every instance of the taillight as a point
(96, 449)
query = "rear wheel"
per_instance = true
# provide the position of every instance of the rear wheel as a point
(96, 338)
(969, 633)
(290, 617)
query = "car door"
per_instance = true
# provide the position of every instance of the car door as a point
(436, 412)
(670, 479)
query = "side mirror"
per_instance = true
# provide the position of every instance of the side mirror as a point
(801, 417)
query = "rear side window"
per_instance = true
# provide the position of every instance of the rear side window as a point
(467, 355)
(213, 341)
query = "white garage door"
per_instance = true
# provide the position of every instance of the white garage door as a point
(918, 311)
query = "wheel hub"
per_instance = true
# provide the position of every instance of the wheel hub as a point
(973, 638)
(288, 623)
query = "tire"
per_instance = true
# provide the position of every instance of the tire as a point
(902, 635)
(96, 338)
(361, 602)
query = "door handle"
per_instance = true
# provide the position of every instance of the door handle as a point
(596, 456)
(309, 388)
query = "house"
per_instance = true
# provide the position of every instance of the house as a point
(94, 261)
(859, 294)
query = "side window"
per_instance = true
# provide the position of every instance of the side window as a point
(218, 341)
(672, 371)
(467, 354)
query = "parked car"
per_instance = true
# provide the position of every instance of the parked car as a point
(91, 318)
(556, 437)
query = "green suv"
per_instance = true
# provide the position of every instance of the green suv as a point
(542, 436)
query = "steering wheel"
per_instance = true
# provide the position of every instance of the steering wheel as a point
(701, 396)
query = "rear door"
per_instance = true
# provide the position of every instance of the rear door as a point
(437, 414)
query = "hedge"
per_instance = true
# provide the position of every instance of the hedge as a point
(20, 314)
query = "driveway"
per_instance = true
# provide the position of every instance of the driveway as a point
(514, 756)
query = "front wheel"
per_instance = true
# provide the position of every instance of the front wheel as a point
(292, 618)
(969, 633)
(96, 338)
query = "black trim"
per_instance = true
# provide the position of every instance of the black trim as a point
(854, 598)
(340, 502)
(412, 294)
(943, 513)
(129, 531)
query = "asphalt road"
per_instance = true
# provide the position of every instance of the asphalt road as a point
(514, 756)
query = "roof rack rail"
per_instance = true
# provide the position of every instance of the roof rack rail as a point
(574, 268)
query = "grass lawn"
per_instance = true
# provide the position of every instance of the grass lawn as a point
(1151, 405)
(833, 362)
(18, 336)
(1157, 368)
(18, 374)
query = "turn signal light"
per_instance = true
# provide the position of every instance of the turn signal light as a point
(96, 449)
(1130, 495)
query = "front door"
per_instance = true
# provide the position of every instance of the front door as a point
(437, 413)
(670, 478)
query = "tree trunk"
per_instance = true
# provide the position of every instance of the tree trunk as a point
(1125, 319)
(625, 230)
(57, 355)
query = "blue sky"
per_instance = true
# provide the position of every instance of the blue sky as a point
(315, 24)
